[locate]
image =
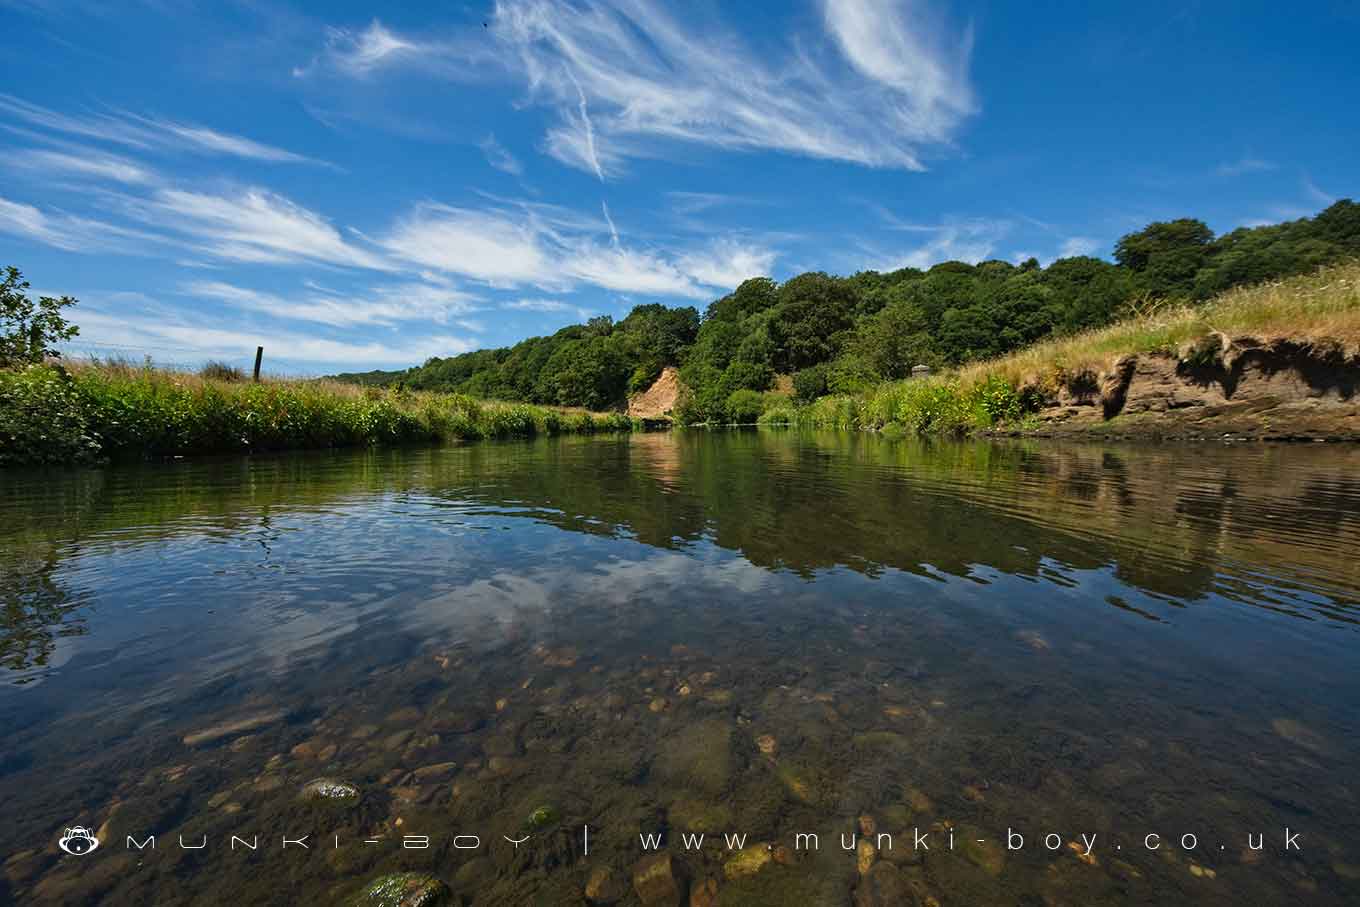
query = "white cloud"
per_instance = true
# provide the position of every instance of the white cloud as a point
(1074, 246)
(147, 133)
(548, 305)
(384, 305)
(622, 73)
(497, 156)
(254, 226)
(628, 270)
(358, 53)
(67, 231)
(965, 240)
(81, 163)
(547, 248)
(185, 339)
(894, 44)
(1243, 166)
(727, 264)
(1316, 194)
(625, 77)
(487, 246)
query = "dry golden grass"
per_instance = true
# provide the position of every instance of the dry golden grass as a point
(1321, 307)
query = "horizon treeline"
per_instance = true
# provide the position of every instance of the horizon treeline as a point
(844, 334)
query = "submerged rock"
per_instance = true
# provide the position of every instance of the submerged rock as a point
(404, 889)
(329, 790)
(883, 886)
(232, 728)
(604, 886)
(698, 758)
(984, 853)
(698, 815)
(704, 894)
(747, 862)
(655, 881)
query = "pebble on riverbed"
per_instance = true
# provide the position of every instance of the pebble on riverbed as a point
(329, 790)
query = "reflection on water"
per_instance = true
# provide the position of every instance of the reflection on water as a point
(757, 633)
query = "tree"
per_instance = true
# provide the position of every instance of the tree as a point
(29, 330)
(814, 309)
(1166, 255)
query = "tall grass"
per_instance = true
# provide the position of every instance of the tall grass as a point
(90, 412)
(1321, 308)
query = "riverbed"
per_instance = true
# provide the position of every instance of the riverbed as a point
(1085, 674)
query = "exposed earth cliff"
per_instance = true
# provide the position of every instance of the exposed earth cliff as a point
(1236, 386)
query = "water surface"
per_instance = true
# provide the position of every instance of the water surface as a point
(755, 633)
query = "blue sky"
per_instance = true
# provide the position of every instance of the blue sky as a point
(366, 185)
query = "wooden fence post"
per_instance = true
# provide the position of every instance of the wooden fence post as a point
(259, 354)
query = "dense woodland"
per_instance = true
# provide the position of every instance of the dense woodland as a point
(841, 334)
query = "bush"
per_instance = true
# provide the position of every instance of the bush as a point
(810, 383)
(779, 414)
(221, 371)
(44, 419)
(745, 406)
(994, 400)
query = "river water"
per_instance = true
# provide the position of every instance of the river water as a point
(1105, 675)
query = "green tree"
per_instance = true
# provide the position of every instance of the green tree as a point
(1166, 255)
(29, 330)
(814, 311)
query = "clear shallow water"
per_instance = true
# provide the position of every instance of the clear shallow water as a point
(752, 633)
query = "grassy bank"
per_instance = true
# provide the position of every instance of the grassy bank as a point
(1322, 309)
(93, 411)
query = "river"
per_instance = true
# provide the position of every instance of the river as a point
(1104, 675)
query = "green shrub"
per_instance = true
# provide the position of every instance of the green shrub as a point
(994, 400)
(810, 383)
(44, 419)
(745, 406)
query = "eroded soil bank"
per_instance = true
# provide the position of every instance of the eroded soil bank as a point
(1239, 387)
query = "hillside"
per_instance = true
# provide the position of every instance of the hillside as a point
(845, 335)
(1275, 360)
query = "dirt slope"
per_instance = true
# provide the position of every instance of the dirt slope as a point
(657, 401)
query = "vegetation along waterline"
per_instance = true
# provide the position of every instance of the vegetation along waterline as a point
(88, 412)
(1275, 360)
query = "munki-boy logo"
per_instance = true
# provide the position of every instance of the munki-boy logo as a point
(78, 841)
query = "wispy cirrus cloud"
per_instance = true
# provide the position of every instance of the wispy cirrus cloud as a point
(624, 78)
(80, 163)
(1245, 165)
(499, 157)
(628, 74)
(188, 338)
(547, 305)
(555, 250)
(1075, 246)
(959, 239)
(69, 232)
(357, 53)
(382, 305)
(148, 133)
(252, 225)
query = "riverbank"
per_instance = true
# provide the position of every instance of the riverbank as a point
(1278, 361)
(89, 412)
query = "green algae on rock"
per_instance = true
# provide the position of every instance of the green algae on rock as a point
(404, 889)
